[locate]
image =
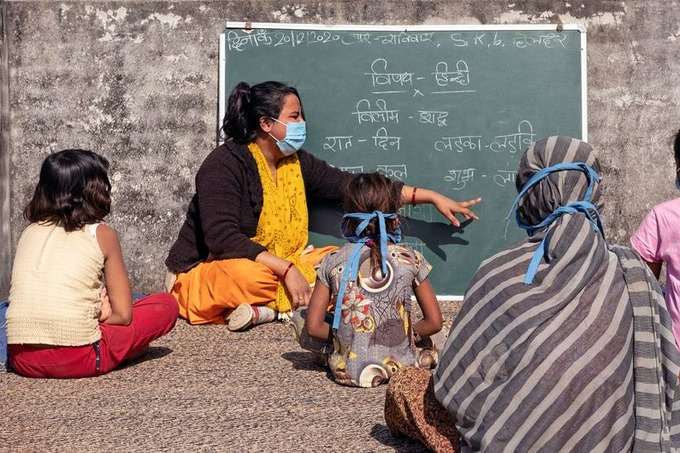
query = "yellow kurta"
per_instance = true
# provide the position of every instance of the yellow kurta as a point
(210, 290)
(284, 219)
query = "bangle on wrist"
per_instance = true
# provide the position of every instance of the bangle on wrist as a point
(413, 196)
(286, 271)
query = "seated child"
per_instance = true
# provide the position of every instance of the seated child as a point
(70, 309)
(656, 241)
(373, 277)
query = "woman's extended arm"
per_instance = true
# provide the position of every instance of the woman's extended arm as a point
(324, 181)
(118, 289)
(448, 207)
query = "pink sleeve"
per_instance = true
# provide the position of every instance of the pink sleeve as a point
(646, 239)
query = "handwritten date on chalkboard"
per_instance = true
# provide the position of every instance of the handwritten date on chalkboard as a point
(239, 41)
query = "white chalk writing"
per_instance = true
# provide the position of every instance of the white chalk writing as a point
(355, 169)
(419, 211)
(460, 177)
(512, 143)
(386, 142)
(433, 117)
(381, 115)
(404, 38)
(380, 76)
(549, 41)
(460, 143)
(338, 143)
(443, 76)
(393, 171)
(487, 40)
(237, 41)
(504, 177)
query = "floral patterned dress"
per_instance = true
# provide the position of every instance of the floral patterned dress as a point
(375, 337)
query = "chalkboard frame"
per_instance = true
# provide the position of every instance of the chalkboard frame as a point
(248, 26)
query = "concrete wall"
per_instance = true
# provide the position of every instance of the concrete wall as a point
(137, 82)
(5, 233)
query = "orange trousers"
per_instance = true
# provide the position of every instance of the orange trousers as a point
(211, 290)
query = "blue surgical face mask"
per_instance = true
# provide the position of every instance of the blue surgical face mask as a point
(296, 133)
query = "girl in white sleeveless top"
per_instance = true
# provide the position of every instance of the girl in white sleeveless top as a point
(70, 309)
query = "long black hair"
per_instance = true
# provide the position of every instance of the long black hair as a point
(248, 104)
(73, 190)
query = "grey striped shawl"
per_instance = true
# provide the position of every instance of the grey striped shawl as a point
(581, 360)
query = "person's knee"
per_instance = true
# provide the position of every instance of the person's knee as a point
(163, 305)
(170, 305)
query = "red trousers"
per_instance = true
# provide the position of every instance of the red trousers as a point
(152, 317)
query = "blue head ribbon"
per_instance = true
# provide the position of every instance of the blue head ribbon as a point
(351, 269)
(582, 206)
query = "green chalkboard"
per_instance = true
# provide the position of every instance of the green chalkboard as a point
(448, 108)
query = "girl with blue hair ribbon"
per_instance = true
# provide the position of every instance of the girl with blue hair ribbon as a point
(369, 283)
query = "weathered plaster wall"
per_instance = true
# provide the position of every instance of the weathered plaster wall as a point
(137, 82)
(5, 235)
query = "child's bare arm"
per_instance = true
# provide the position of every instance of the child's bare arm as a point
(117, 280)
(432, 315)
(318, 306)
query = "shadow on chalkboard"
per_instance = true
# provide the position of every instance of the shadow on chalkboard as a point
(435, 234)
(325, 218)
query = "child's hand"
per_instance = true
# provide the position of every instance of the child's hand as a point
(106, 306)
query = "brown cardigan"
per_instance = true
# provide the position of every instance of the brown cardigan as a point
(224, 211)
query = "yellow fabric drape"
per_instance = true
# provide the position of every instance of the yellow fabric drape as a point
(283, 223)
